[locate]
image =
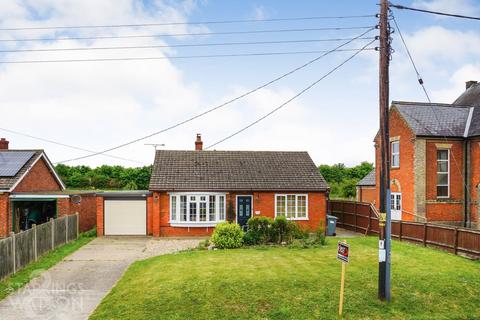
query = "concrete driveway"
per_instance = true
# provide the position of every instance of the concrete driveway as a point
(74, 287)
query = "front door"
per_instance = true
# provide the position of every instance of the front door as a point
(396, 205)
(244, 210)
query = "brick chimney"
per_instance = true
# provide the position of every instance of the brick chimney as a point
(469, 84)
(199, 142)
(4, 144)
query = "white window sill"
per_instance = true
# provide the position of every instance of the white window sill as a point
(194, 224)
(296, 219)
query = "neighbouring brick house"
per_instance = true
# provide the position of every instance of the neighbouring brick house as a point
(32, 192)
(191, 191)
(435, 160)
(366, 190)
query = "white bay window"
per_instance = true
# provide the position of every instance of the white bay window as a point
(197, 209)
(292, 206)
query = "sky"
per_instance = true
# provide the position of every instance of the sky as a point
(99, 105)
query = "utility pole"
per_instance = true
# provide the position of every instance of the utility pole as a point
(385, 217)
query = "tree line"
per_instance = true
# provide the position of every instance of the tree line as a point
(342, 179)
(105, 177)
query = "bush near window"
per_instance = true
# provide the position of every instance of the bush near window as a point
(259, 230)
(227, 236)
(263, 230)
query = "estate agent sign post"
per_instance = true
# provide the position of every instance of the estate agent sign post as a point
(342, 255)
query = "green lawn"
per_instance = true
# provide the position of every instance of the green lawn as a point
(21, 278)
(283, 283)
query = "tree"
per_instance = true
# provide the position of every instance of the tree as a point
(342, 179)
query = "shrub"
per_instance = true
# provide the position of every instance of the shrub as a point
(250, 238)
(320, 234)
(230, 212)
(260, 228)
(280, 229)
(203, 245)
(227, 236)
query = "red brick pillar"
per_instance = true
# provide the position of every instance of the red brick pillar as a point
(100, 229)
(4, 221)
(150, 215)
(156, 214)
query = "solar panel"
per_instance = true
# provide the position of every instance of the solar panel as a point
(12, 162)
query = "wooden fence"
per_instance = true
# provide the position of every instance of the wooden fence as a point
(18, 250)
(363, 217)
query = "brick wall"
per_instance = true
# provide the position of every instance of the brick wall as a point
(99, 212)
(451, 209)
(401, 178)
(264, 202)
(87, 211)
(39, 178)
(4, 215)
(475, 182)
(367, 194)
(63, 207)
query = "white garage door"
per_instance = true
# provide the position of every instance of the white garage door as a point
(125, 217)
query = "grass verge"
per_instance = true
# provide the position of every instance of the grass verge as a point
(22, 277)
(285, 283)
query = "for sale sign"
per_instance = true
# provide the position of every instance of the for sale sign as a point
(343, 251)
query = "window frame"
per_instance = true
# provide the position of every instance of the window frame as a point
(393, 154)
(295, 217)
(448, 175)
(198, 196)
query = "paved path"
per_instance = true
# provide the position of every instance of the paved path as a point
(73, 288)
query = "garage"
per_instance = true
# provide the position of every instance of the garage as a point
(125, 214)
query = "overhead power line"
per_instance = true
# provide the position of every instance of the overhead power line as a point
(185, 23)
(187, 34)
(184, 45)
(221, 105)
(67, 145)
(231, 55)
(434, 12)
(291, 99)
(419, 77)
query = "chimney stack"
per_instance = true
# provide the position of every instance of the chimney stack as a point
(3, 144)
(469, 84)
(199, 142)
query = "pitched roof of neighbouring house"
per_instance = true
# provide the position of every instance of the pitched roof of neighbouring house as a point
(235, 171)
(8, 182)
(470, 97)
(368, 180)
(434, 119)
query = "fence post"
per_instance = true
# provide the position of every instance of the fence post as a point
(52, 222)
(400, 230)
(78, 224)
(455, 243)
(35, 251)
(14, 254)
(66, 229)
(425, 234)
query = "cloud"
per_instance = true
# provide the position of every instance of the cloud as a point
(465, 7)
(260, 13)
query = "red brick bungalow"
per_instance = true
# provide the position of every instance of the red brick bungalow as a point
(192, 191)
(435, 160)
(32, 192)
(366, 190)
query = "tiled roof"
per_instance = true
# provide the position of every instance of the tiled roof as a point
(368, 180)
(235, 171)
(8, 182)
(433, 119)
(470, 97)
